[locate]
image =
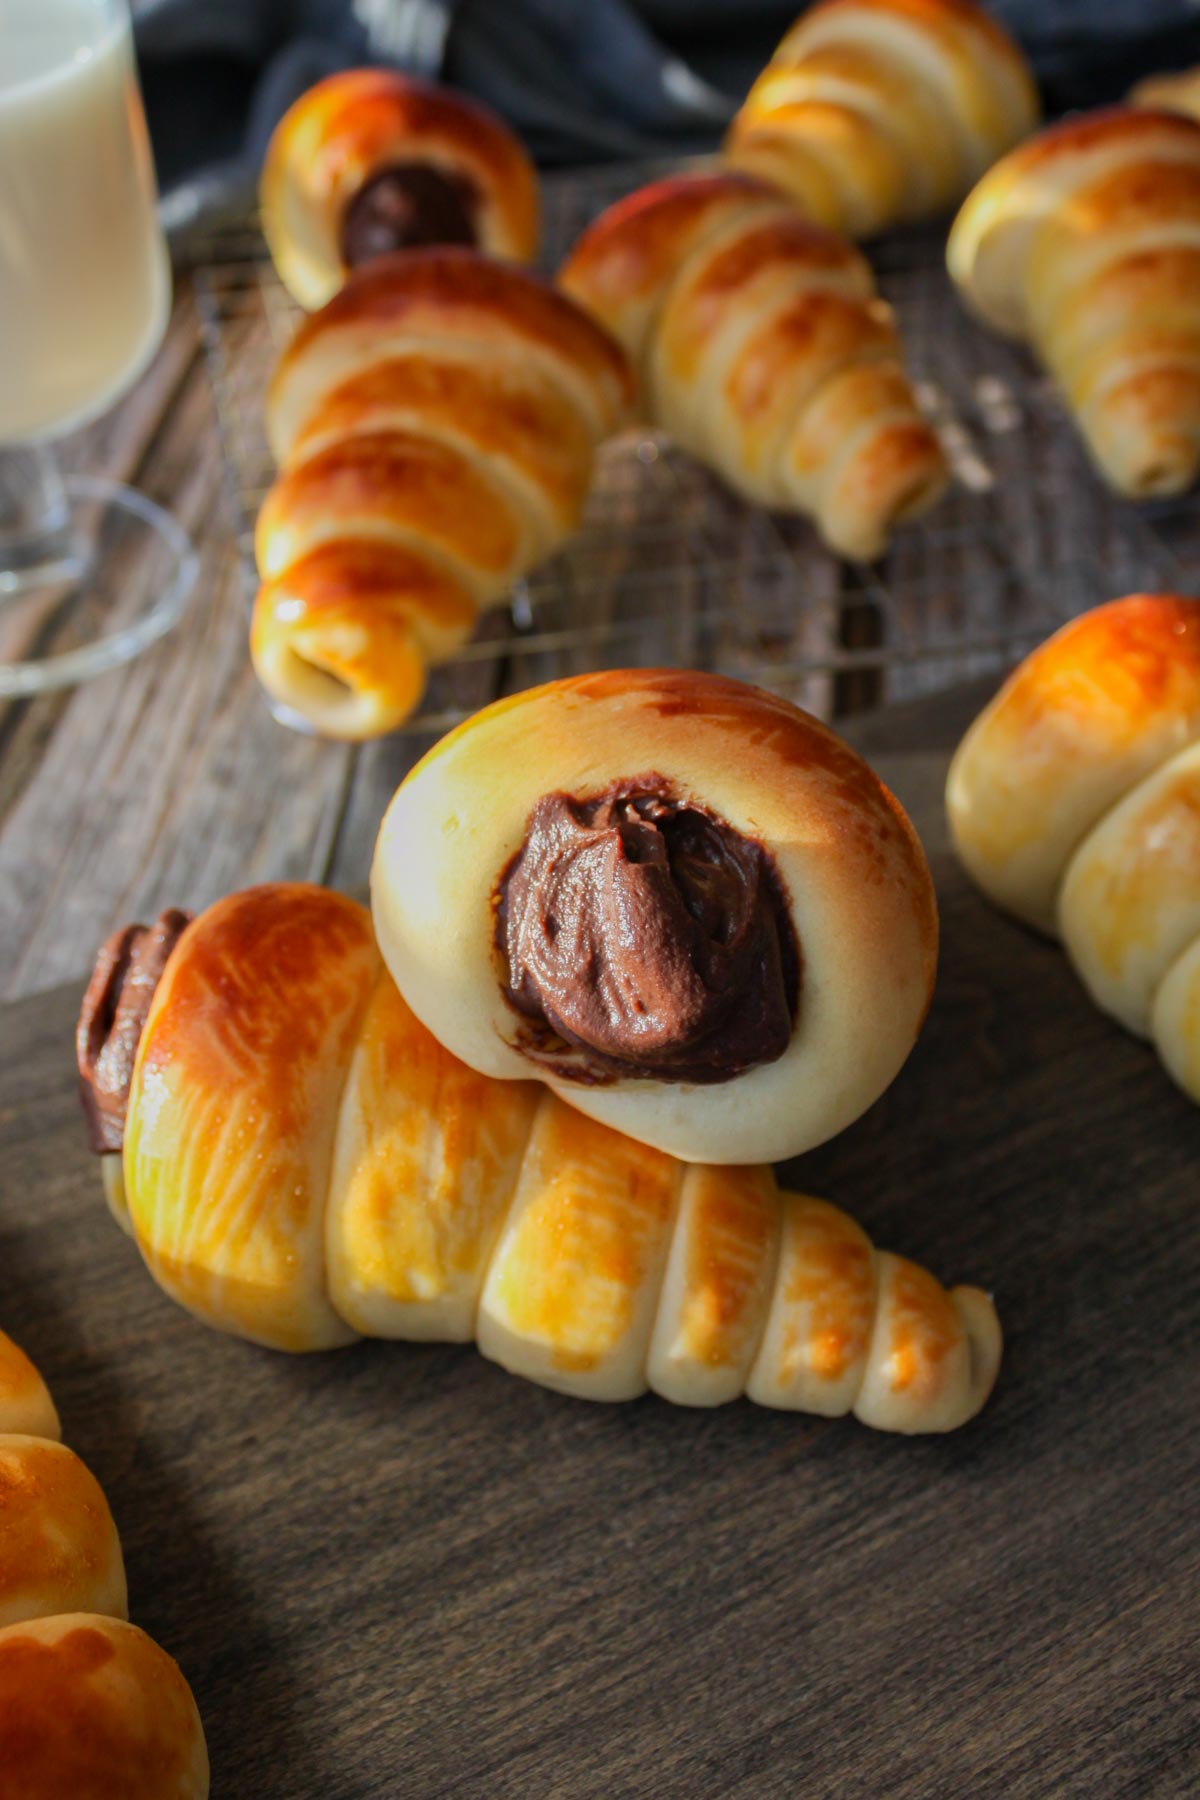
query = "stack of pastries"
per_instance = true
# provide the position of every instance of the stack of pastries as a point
(1074, 803)
(90, 1707)
(633, 933)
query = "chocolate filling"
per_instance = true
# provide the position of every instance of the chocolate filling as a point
(113, 1017)
(640, 935)
(405, 206)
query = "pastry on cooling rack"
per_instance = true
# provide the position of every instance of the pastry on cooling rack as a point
(89, 1705)
(683, 903)
(763, 349)
(303, 1160)
(1074, 803)
(873, 113)
(435, 424)
(370, 161)
(1084, 243)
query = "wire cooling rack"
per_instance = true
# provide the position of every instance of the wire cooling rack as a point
(670, 567)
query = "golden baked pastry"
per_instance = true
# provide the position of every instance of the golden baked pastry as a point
(370, 161)
(303, 1160)
(763, 348)
(873, 113)
(1074, 802)
(684, 904)
(435, 425)
(1177, 91)
(1085, 242)
(25, 1403)
(90, 1707)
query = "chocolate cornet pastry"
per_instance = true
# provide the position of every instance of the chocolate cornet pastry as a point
(370, 161)
(435, 426)
(1074, 803)
(763, 348)
(874, 113)
(303, 1161)
(1083, 243)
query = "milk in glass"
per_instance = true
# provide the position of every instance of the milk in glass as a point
(84, 277)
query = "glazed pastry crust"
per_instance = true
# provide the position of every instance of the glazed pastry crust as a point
(763, 349)
(59, 1550)
(91, 1707)
(25, 1403)
(220, 1108)
(1084, 242)
(355, 123)
(856, 880)
(875, 112)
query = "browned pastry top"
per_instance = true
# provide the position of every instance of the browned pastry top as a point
(454, 290)
(640, 935)
(113, 1016)
(636, 241)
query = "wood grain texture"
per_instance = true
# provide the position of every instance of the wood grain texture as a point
(395, 1571)
(167, 773)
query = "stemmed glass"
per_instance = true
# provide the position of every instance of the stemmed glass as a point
(90, 571)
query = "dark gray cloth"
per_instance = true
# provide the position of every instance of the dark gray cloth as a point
(581, 80)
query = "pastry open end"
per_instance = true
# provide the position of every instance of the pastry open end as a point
(370, 161)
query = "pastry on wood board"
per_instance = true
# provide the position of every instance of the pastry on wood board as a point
(370, 161)
(876, 113)
(90, 1707)
(1074, 804)
(1085, 243)
(299, 1160)
(763, 348)
(435, 426)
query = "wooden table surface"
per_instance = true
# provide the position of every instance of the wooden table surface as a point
(393, 1572)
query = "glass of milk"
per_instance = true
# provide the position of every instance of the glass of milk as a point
(90, 572)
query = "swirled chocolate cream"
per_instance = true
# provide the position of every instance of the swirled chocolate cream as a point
(640, 935)
(405, 207)
(113, 1016)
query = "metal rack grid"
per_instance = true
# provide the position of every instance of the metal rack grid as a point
(670, 567)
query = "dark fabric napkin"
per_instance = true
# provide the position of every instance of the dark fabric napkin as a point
(581, 80)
